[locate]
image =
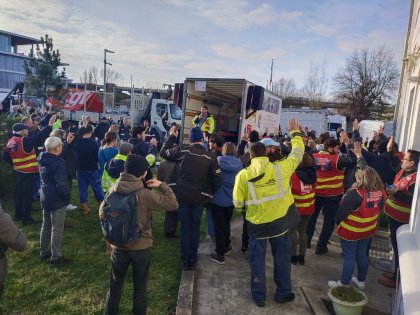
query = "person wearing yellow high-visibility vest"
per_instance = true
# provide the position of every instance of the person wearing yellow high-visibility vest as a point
(329, 189)
(263, 191)
(205, 121)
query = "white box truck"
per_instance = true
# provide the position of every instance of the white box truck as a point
(237, 105)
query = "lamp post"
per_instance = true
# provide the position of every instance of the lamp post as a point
(106, 63)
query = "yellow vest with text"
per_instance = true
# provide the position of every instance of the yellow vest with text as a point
(263, 190)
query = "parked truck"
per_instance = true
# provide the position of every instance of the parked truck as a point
(237, 105)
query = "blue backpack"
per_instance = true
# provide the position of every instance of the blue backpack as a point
(119, 218)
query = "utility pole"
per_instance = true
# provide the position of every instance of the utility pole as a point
(106, 63)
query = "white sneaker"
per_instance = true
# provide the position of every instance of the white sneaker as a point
(333, 284)
(71, 207)
(359, 284)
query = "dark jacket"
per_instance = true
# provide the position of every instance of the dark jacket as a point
(199, 174)
(55, 187)
(230, 166)
(87, 154)
(139, 147)
(100, 130)
(69, 156)
(125, 132)
(306, 174)
(115, 167)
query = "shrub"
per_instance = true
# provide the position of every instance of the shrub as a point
(7, 178)
(347, 294)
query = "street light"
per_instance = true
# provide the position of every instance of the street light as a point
(106, 63)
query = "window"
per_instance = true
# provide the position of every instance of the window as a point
(176, 112)
(161, 109)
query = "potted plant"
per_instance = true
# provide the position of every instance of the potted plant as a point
(347, 300)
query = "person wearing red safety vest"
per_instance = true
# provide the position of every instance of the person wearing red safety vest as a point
(20, 155)
(357, 219)
(398, 206)
(329, 189)
(303, 189)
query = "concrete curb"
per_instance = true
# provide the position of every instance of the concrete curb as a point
(185, 293)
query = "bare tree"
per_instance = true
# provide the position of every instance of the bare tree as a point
(153, 85)
(367, 82)
(316, 82)
(284, 87)
(94, 76)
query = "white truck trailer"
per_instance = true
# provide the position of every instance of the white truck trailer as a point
(237, 105)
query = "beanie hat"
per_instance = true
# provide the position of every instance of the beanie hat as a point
(196, 135)
(125, 148)
(18, 127)
(136, 165)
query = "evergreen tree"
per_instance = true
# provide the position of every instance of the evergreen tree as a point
(43, 78)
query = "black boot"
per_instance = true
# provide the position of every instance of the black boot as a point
(294, 260)
(301, 260)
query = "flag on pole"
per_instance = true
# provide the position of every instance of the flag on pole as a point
(271, 75)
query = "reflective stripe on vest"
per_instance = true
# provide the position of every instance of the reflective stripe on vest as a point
(329, 178)
(362, 222)
(398, 209)
(22, 161)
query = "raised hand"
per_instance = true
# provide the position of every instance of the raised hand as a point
(357, 149)
(173, 131)
(355, 125)
(293, 125)
(153, 183)
(52, 120)
(344, 138)
(390, 145)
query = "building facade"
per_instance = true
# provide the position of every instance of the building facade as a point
(407, 134)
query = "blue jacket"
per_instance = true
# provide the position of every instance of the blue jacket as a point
(55, 186)
(230, 166)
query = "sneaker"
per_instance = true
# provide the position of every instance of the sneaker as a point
(218, 259)
(260, 303)
(45, 257)
(333, 284)
(359, 284)
(71, 207)
(228, 250)
(288, 298)
(389, 283)
(294, 260)
(321, 251)
(61, 261)
(388, 275)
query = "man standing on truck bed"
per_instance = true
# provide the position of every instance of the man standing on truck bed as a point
(205, 121)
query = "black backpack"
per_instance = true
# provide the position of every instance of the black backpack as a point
(119, 218)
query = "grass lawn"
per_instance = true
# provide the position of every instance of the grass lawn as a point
(33, 287)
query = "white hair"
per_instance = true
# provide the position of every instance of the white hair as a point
(51, 143)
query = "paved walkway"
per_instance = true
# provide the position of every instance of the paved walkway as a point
(225, 289)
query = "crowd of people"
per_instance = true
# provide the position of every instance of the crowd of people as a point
(279, 183)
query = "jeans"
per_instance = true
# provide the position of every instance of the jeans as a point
(329, 206)
(189, 218)
(210, 223)
(393, 227)
(52, 231)
(121, 260)
(36, 186)
(354, 252)
(84, 178)
(23, 196)
(280, 248)
(298, 236)
(221, 218)
(171, 222)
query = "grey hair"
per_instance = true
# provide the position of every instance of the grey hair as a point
(58, 133)
(51, 143)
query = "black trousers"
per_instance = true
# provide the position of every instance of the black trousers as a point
(171, 222)
(221, 219)
(23, 196)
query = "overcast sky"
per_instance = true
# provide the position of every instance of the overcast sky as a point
(168, 40)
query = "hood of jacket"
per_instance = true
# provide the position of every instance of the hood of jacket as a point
(128, 183)
(306, 174)
(46, 159)
(229, 163)
(115, 167)
(258, 166)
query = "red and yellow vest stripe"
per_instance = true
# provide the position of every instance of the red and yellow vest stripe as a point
(398, 209)
(22, 161)
(362, 222)
(304, 195)
(329, 179)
